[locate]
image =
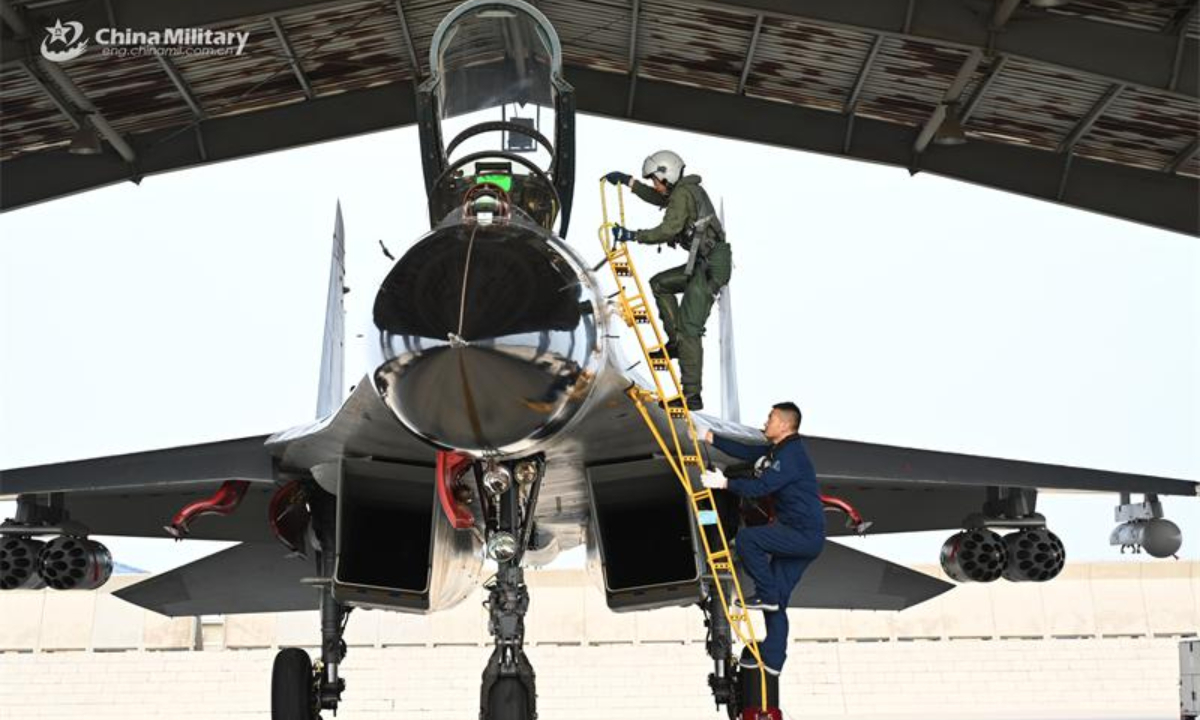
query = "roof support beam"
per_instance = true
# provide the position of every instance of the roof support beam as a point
(965, 72)
(856, 91)
(1180, 42)
(181, 84)
(185, 91)
(1067, 146)
(56, 97)
(290, 54)
(1085, 123)
(981, 90)
(1002, 13)
(1184, 155)
(908, 16)
(633, 56)
(72, 95)
(408, 42)
(863, 73)
(749, 61)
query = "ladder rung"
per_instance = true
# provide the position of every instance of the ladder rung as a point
(704, 494)
(691, 460)
(677, 412)
(660, 364)
(719, 555)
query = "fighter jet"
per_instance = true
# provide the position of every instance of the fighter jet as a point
(494, 423)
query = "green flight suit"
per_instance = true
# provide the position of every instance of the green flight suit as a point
(684, 322)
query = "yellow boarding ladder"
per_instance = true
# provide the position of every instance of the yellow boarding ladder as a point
(682, 453)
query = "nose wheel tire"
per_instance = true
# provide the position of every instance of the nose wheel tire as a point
(508, 701)
(293, 688)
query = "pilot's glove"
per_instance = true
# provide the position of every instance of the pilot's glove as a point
(623, 234)
(714, 480)
(618, 178)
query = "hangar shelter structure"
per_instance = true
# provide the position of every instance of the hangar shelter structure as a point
(1089, 103)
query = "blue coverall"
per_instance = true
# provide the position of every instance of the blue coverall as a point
(776, 555)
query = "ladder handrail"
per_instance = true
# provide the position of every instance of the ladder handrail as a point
(720, 563)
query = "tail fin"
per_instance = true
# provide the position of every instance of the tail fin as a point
(730, 406)
(329, 393)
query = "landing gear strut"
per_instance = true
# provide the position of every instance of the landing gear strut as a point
(301, 689)
(508, 690)
(724, 680)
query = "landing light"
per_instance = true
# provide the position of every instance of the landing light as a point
(501, 546)
(527, 472)
(496, 480)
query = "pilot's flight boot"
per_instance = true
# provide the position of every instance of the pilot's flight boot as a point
(694, 402)
(691, 368)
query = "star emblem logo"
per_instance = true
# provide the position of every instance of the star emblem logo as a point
(58, 33)
(67, 40)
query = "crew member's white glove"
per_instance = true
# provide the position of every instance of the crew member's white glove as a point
(714, 479)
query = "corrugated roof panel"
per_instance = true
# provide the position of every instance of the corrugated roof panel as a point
(602, 45)
(133, 93)
(423, 17)
(352, 47)
(699, 46)
(31, 120)
(807, 64)
(908, 80)
(1141, 128)
(232, 84)
(1191, 167)
(1034, 105)
(1142, 14)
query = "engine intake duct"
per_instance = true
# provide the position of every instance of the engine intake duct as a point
(644, 536)
(384, 535)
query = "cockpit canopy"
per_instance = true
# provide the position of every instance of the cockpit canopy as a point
(495, 94)
(493, 55)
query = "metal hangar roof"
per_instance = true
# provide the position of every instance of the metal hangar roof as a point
(1091, 103)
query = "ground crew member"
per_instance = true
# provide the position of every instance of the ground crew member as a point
(690, 222)
(775, 555)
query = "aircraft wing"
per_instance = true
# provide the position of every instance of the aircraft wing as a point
(844, 464)
(136, 494)
(241, 459)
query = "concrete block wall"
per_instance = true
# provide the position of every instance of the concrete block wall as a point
(1098, 642)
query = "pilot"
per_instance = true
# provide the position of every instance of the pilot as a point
(776, 554)
(691, 223)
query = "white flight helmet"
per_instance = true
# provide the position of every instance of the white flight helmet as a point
(664, 165)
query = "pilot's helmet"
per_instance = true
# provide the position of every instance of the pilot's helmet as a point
(664, 165)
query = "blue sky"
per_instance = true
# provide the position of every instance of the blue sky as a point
(914, 311)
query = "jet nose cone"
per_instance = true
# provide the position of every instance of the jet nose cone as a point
(489, 337)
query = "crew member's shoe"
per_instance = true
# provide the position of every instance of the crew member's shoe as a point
(754, 602)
